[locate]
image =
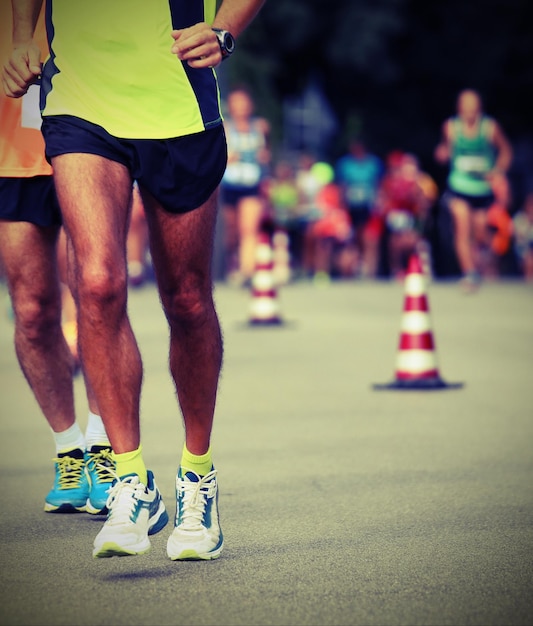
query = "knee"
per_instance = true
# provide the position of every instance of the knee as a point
(101, 287)
(188, 307)
(37, 316)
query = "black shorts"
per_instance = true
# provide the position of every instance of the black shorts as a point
(359, 214)
(476, 203)
(180, 173)
(29, 200)
(232, 195)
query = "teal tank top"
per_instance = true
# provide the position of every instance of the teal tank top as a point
(471, 160)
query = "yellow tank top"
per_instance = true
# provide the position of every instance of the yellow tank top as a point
(110, 64)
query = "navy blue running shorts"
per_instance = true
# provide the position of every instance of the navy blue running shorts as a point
(231, 196)
(29, 200)
(180, 173)
(476, 203)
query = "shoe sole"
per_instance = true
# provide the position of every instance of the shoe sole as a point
(94, 511)
(63, 508)
(192, 555)
(110, 549)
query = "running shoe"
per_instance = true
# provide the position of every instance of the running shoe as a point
(99, 466)
(135, 511)
(71, 489)
(197, 534)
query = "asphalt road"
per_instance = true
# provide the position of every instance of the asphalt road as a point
(340, 504)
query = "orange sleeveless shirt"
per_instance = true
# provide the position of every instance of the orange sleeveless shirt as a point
(21, 149)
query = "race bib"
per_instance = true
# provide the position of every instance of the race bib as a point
(31, 113)
(357, 194)
(472, 164)
(242, 174)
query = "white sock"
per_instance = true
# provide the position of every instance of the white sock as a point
(69, 439)
(95, 435)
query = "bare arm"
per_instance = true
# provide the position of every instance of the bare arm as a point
(24, 64)
(198, 44)
(236, 15)
(443, 150)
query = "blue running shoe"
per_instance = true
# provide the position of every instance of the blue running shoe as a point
(197, 534)
(135, 511)
(71, 489)
(100, 467)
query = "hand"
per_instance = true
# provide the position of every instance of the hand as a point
(21, 69)
(198, 45)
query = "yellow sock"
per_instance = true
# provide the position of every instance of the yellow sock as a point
(131, 463)
(200, 465)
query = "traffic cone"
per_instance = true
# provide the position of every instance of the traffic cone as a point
(416, 363)
(264, 308)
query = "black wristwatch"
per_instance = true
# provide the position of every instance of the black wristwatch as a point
(226, 41)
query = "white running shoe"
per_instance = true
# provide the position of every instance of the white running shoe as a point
(135, 511)
(197, 534)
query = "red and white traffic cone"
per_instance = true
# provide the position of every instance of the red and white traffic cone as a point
(264, 308)
(416, 361)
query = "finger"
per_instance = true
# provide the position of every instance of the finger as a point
(199, 38)
(11, 88)
(34, 61)
(17, 81)
(202, 63)
(18, 70)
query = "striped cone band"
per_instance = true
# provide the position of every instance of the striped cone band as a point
(416, 303)
(415, 284)
(415, 322)
(263, 254)
(428, 375)
(423, 341)
(264, 308)
(261, 293)
(416, 363)
(414, 266)
(263, 280)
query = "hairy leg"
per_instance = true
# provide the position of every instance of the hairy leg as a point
(94, 194)
(29, 257)
(182, 247)
(70, 279)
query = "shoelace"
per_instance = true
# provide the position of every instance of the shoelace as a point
(195, 495)
(102, 462)
(70, 471)
(122, 498)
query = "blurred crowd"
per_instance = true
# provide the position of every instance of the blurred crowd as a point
(360, 216)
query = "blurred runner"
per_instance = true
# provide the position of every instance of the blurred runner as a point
(359, 173)
(243, 204)
(477, 149)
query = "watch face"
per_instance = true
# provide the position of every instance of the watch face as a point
(229, 42)
(226, 41)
